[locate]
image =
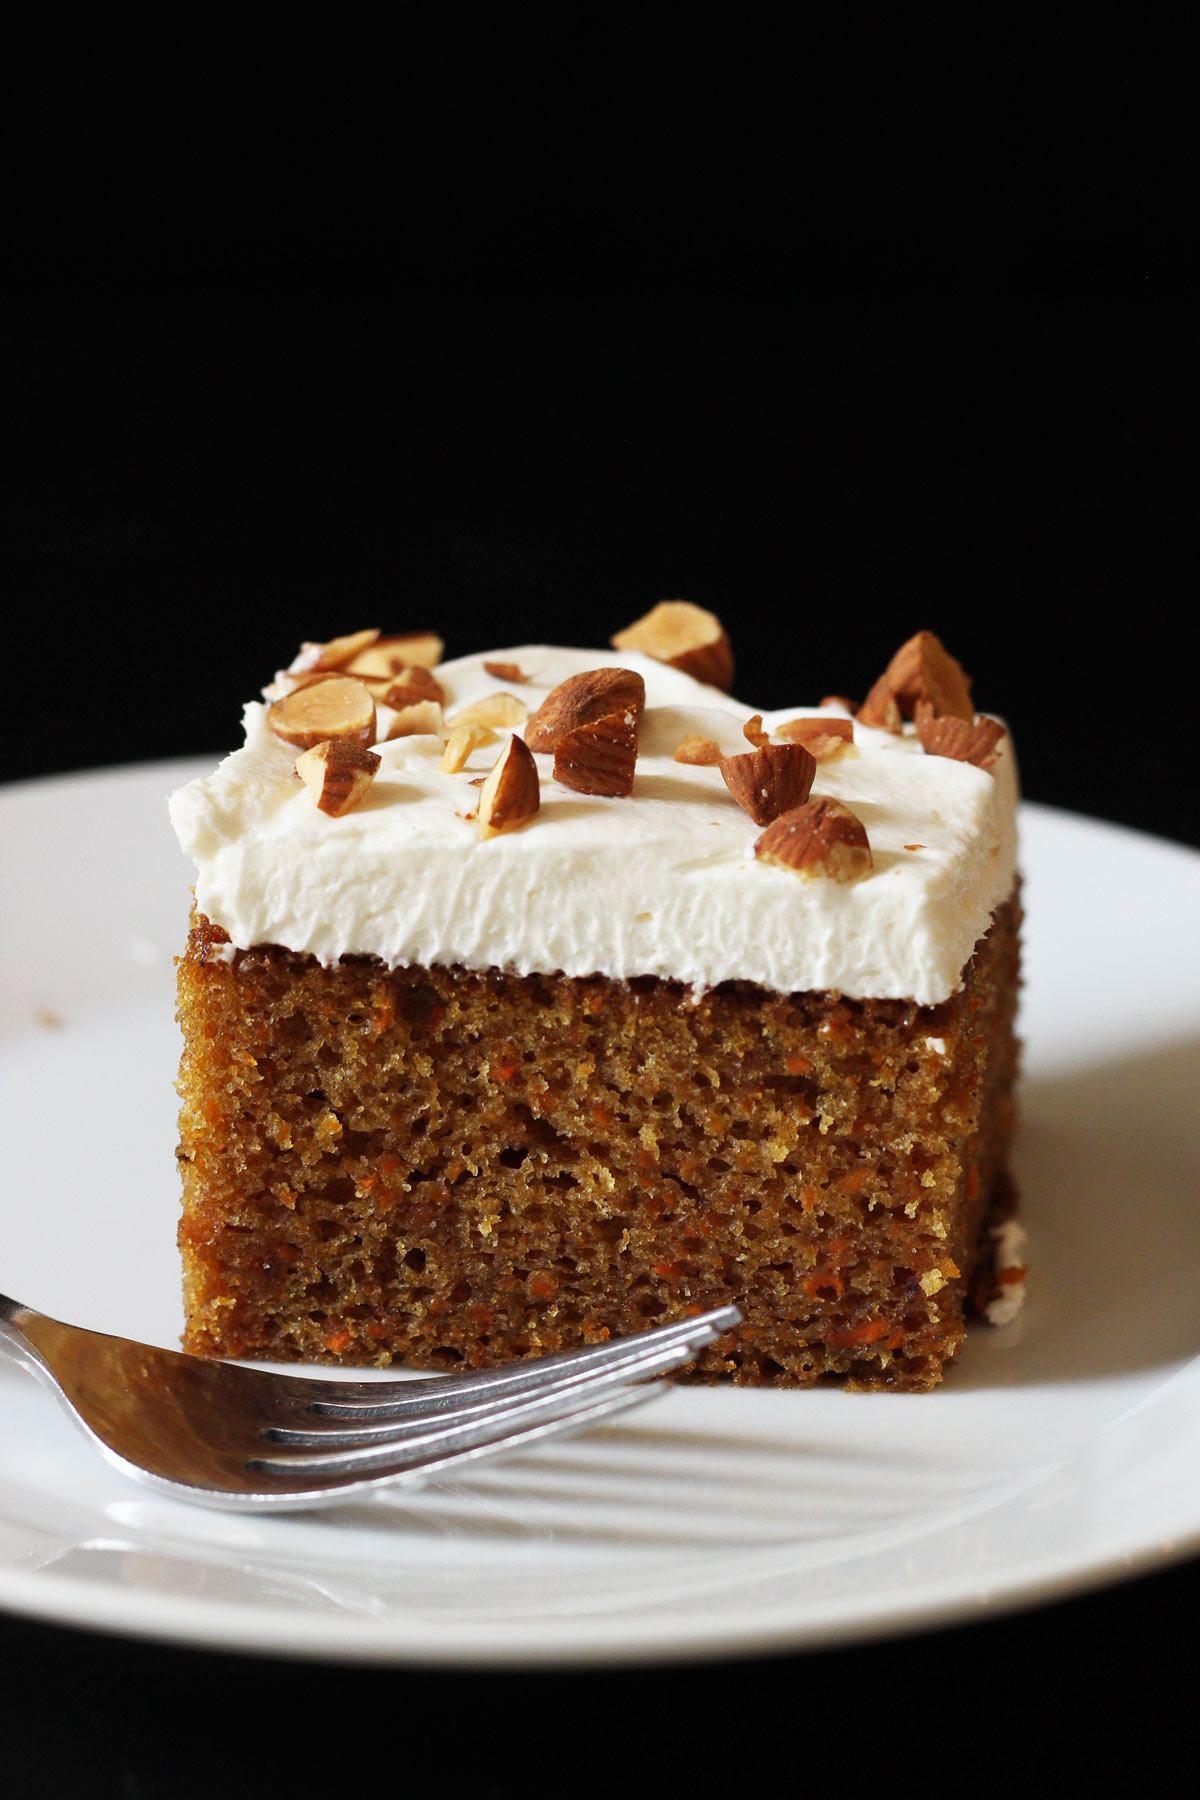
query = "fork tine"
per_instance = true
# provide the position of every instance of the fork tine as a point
(407, 1471)
(366, 1400)
(570, 1386)
(416, 1442)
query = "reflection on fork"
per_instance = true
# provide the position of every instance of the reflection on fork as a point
(248, 1439)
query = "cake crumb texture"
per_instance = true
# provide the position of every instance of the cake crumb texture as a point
(448, 1168)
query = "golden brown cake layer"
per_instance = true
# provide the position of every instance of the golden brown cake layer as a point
(447, 1168)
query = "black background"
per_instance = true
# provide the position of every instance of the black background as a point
(305, 337)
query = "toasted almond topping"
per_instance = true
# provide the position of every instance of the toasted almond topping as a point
(581, 699)
(976, 743)
(820, 838)
(376, 685)
(511, 794)
(823, 738)
(495, 709)
(337, 774)
(685, 636)
(410, 685)
(422, 719)
(881, 708)
(504, 671)
(338, 707)
(599, 757)
(336, 653)
(288, 680)
(914, 846)
(400, 650)
(705, 752)
(769, 781)
(463, 741)
(922, 670)
(753, 732)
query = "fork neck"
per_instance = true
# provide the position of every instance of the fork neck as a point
(13, 1313)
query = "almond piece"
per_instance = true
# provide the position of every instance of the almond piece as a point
(921, 670)
(820, 838)
(770, 781)
(422, 719)
(288, 680)
(881, 708)
(700, 751)
(924, 670)
(410, 685)
(822, 738)
(511, 794)
(599, 757)
(494, 709)
(336, 653)
(684, 636)
(337, 774)
(580, 700)
(505, 671)
(753, 732)
(463, 741)
(338, 707)
(976, 743)
(400, 650)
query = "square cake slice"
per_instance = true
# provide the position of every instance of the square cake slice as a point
(562, 995)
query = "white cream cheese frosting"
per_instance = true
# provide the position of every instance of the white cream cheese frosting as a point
(663, 882)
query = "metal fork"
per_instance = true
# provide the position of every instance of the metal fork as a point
(245, 1440)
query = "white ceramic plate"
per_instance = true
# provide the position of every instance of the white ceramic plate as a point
(1062, 1451)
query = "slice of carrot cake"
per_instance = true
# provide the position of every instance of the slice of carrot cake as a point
(541, 995)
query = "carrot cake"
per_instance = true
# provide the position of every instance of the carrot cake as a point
(545, 994)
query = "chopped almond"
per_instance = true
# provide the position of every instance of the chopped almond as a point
(337, 707)
(881, 708)
(337, 652)
(462, 743)
(978, 742)
(413, 683)
(753, 732)
(400, 650)
(922, 670)
(821, 838)
(599, 757)
(337, 774)
(494, 709)
(422, 719)
(506, 671)
(511, 794)
(684, 636)
(770, 781)
(581, 699)
(700, 751)
(822, 738)
(288, 680)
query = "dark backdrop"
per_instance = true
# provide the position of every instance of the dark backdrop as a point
(205, 478)
(287, 356)
(291, 353)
